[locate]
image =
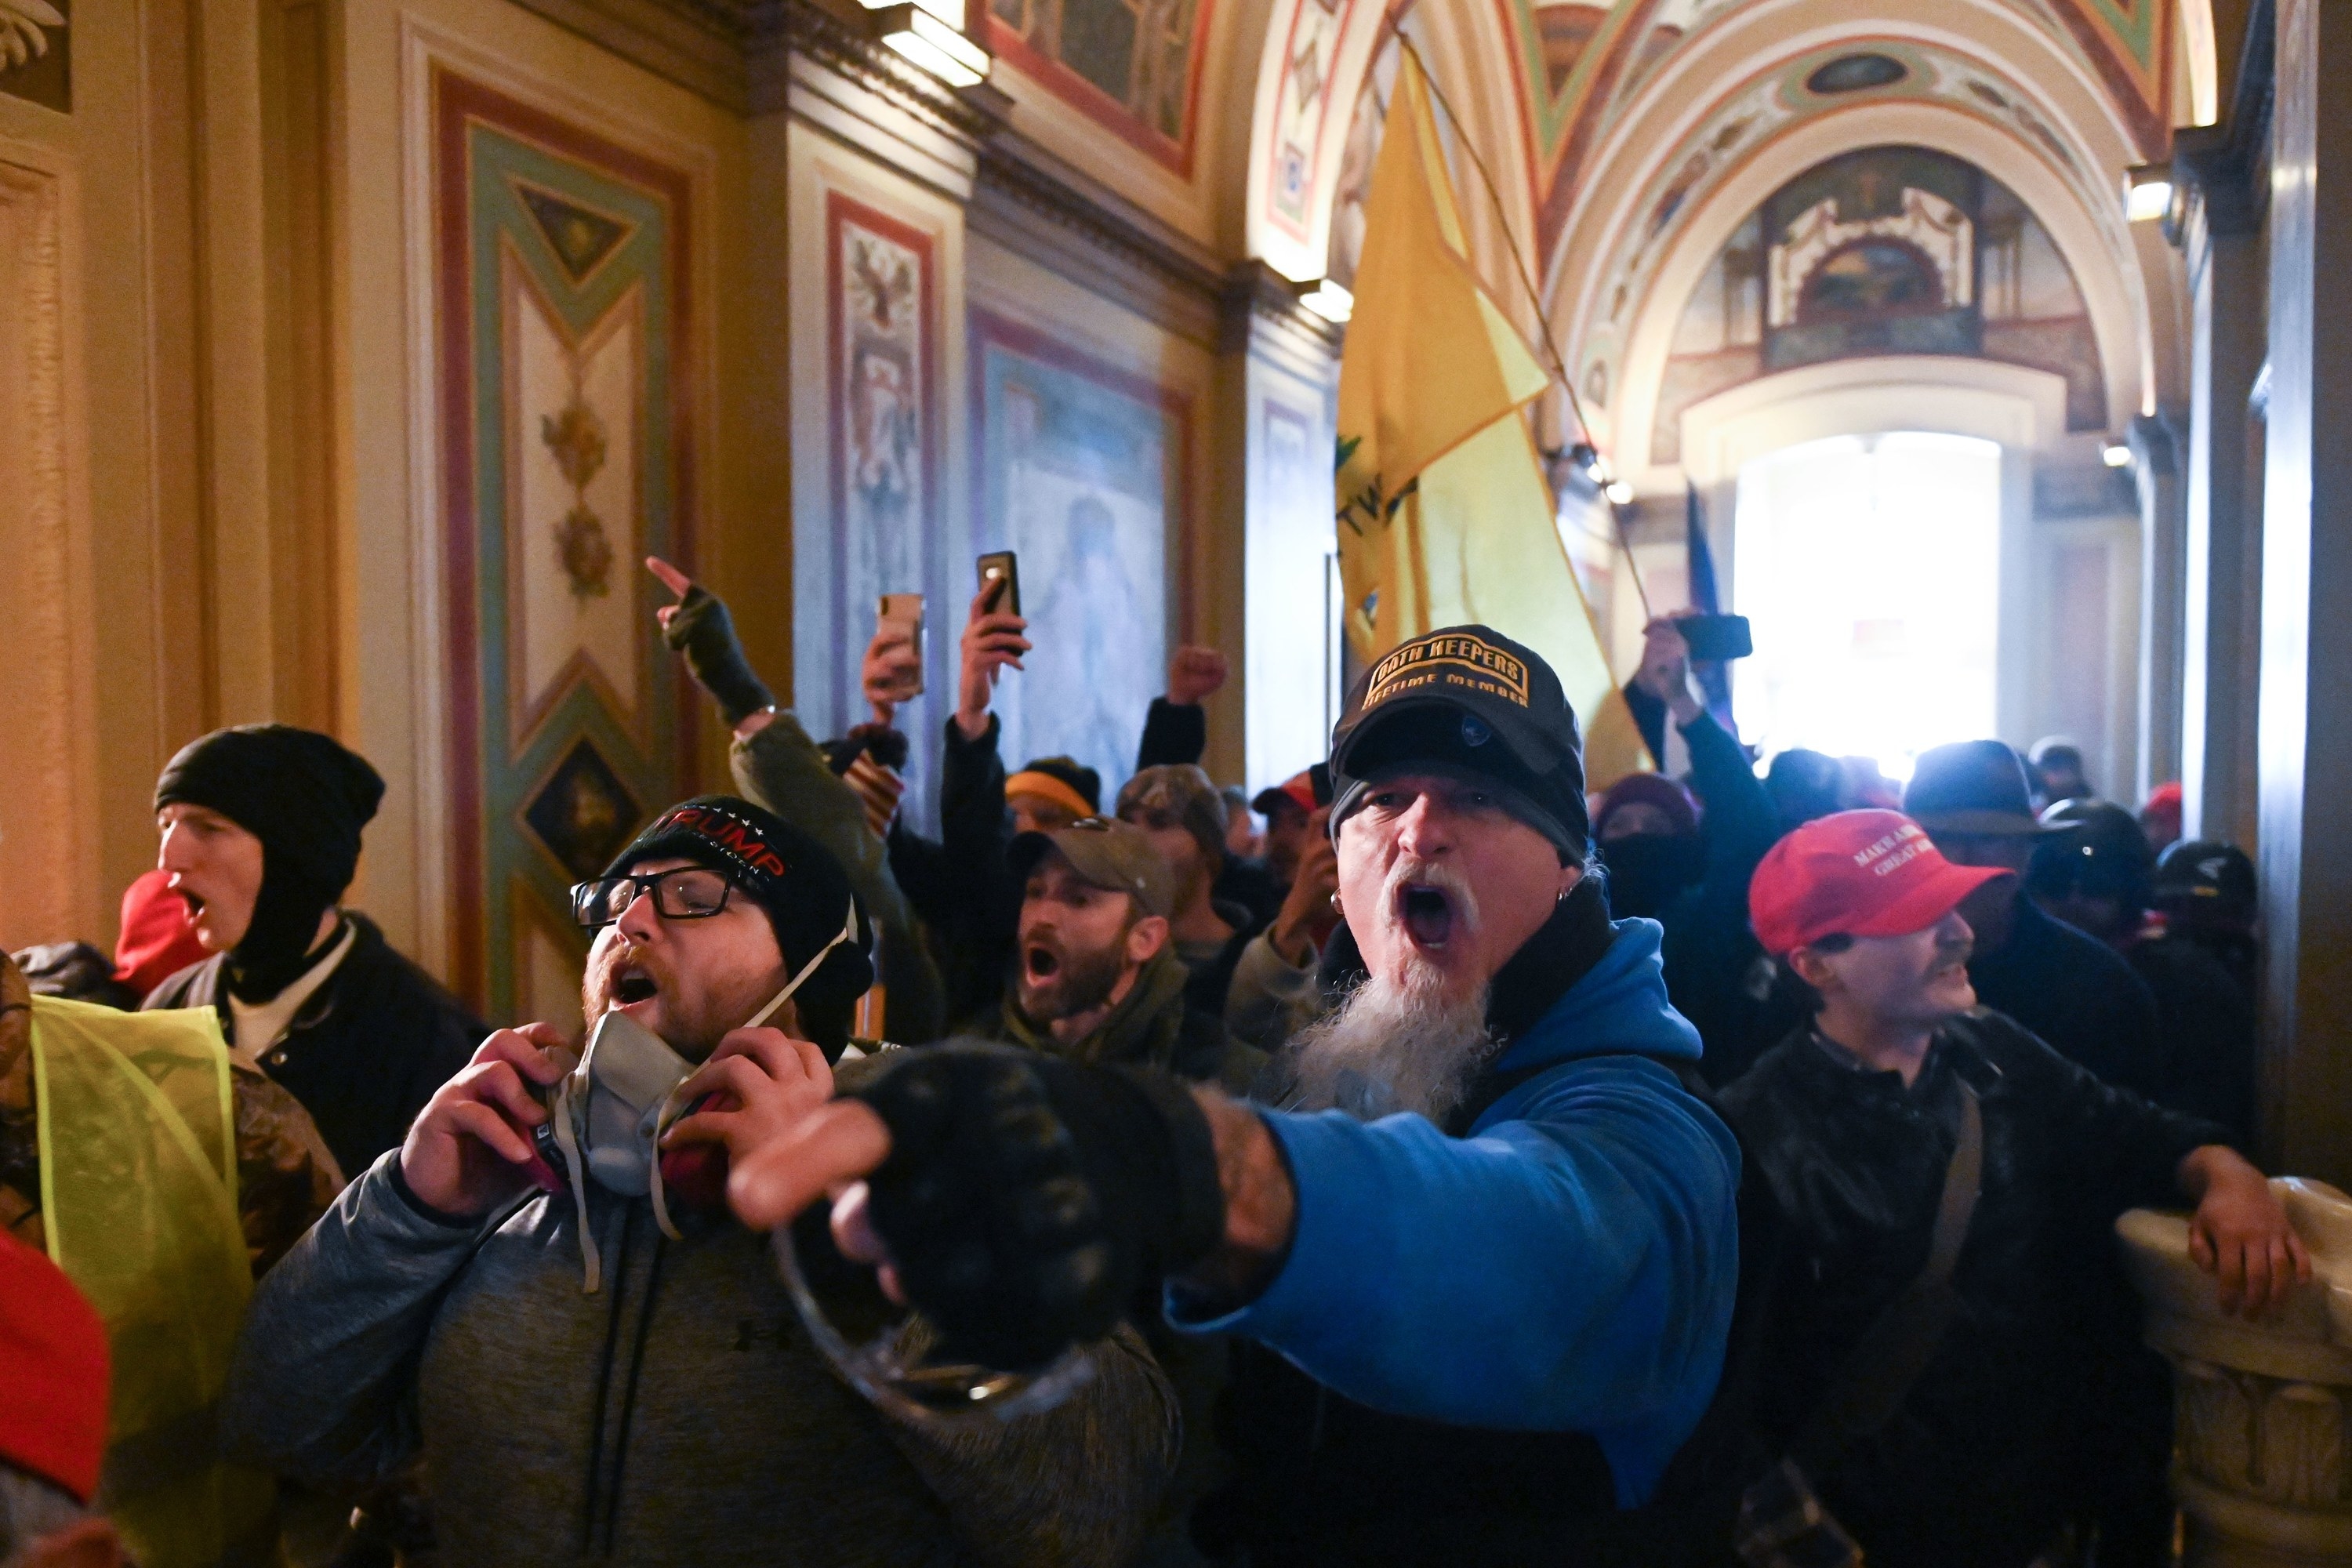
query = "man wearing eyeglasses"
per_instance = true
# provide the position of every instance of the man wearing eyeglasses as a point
(539, 1292)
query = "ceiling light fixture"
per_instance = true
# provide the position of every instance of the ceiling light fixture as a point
(2147, 191)
(1329, 300)
(920, 34)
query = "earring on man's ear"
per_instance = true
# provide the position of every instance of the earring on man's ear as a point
(1335, 903)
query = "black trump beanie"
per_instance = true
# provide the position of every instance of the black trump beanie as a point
(803, 890)
(307, 798)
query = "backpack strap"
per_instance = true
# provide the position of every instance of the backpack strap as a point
(1870, 1384)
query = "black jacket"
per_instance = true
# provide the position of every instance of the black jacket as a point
(1716, 975)
(365, 1052)
(1994, 1446)
(2205, 1032)
(2072, 990)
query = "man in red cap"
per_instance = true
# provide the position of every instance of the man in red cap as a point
(1949, 1185)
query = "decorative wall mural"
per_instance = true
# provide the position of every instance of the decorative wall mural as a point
(2129, 42)
(1872, 252)
(1303, 110)
(1132, 66)
(566, 411)
(1885, 250)
(1083, 470)
(36, 52)
(1758, 112)
(882, 331)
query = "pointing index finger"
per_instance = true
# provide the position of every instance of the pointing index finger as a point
(675, 581)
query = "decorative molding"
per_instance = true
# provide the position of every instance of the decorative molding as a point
(2229, 164)
(802, 27)
(2262, 1410)
(37, 778)
(36, 53)
(743, 53)
(491, 772)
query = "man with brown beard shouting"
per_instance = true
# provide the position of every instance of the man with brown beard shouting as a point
(1490, 1238)
(1096, 977)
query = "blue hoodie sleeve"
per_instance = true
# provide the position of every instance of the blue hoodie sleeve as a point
(1571, 1267)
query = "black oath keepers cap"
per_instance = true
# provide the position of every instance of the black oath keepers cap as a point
(1470, 701)
(784, 870)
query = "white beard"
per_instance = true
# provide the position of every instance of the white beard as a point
(1392, 1046)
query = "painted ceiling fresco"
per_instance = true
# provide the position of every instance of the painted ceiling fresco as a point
(1881, 250)
(1757, 112)
(1133, 66)
(1583, 66)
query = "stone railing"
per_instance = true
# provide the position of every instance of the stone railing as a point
(2263, 1411)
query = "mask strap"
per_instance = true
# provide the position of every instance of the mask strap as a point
(670, 1106)
(567, 1138)
(848, 933)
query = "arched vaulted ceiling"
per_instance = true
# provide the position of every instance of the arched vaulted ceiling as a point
(1633, 138)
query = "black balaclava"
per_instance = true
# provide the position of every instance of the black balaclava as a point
(306, 798)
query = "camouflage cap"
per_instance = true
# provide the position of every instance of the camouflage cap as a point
(1116, 856)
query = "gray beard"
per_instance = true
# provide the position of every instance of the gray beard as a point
(1390, 1047)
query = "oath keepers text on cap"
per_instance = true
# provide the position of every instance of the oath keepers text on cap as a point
(1415, 665)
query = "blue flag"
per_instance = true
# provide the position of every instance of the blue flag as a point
(1714, 676)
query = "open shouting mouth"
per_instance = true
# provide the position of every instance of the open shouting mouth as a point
(1040, 962)
(632, 984)
(1427, 913)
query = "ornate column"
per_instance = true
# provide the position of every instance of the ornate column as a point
(2263, 1411)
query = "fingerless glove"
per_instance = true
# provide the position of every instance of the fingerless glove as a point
(705, 633)
(1026, 1199)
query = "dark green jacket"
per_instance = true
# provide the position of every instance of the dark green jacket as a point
(1151, 1026)
(781, 768)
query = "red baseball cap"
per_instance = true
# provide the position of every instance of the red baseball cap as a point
(1858, 873)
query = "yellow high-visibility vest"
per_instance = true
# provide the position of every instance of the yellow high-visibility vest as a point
(138, 1148)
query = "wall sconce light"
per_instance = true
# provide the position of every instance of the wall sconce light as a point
(1328, 300)
(2115, 455)
(928, 35)
(2147, 191)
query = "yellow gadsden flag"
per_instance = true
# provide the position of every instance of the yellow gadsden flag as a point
(1444, 513)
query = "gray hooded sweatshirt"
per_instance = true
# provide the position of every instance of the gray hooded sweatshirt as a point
(678, 1415)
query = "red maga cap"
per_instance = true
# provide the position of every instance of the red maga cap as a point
(1859, 873)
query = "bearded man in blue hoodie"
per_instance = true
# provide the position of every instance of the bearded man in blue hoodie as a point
(1483, 1242)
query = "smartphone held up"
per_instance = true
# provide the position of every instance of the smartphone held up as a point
(901, 624)
(1000, 582)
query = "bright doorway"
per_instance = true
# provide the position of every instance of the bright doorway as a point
(1870, 567)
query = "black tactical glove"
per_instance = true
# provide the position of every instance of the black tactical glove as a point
(1026, 1199)
(703, 631)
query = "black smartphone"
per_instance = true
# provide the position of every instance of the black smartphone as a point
(1716, 638)
(999, 575)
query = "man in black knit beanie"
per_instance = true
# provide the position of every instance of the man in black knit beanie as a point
(261, 827)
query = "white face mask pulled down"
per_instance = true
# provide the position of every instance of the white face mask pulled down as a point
(606, 1117)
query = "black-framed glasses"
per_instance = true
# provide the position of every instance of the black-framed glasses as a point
(688, 893)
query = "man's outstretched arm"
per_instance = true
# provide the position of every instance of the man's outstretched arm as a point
(1574, 1266)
